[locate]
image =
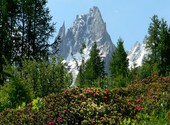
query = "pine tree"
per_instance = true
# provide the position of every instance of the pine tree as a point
(80, 80)
(8, 13)
(25, 27)
(94, 67)
(158, 44)
(35, 27)
(153, 43)
(167, 53)
(164, 39)
(119, 63)
(154, 31)
(81, 76)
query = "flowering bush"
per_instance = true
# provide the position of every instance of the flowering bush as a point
(136, 104)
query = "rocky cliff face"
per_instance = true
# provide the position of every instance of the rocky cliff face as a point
(137, 54)
(86, 29)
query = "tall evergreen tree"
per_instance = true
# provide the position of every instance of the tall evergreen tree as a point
(8, 13)
(158, 43)
(25, 27)
(94, 67)
(35, 27)
(81, 76)
(167, 52)
(119, 63)
(153, 43)
(164, 48)
(154, 31)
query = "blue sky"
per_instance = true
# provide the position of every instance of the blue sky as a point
(128, 19)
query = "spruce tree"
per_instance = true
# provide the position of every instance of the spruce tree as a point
(8, 14)
(158, 44)
(167, 52)
(94, 67)
(163, 46)
(153, 43)
(25, 27)
(119, 63)
(81, 76)
(35, 28)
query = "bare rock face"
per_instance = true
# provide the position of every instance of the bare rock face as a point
(86, 29)
(137, 54)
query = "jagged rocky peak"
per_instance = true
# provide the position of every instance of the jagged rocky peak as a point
(95, 10)
(137, 54)
(61, 32)
(86, 29)
(89, 25)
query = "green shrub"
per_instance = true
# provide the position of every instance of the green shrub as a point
(167, 117)
(136, 104)
(44, 78)
(13, 94)
(37, 104)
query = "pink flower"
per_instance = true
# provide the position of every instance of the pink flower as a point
(72, 95)
(138, 108)
(65, 111)
(138, 100)
(93, 122)
(66, 91)
(85, 97)
(106, 98)
(50, 122)
(106, 91)
(59, 119)
(18, 113)
(101, 118)
(91, 102)
(95, 89)
(94, 94)
(88, 90)
(129, 102)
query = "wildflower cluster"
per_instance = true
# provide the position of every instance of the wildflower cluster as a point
(94, 106)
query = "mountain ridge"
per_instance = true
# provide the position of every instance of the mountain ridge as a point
(137, 53)
(86, 29)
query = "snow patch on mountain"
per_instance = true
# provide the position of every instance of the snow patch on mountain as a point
(137, 54)
(87, 29)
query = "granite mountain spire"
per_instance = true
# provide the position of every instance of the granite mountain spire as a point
(87, 29)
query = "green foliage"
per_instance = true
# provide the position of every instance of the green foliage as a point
(158, 44)
(34, 79)
(138, 103)
(23, 105)
(37, 104)
(119, 63)
(81, 75)
(43, 78)
(95, 65)
(7, 28)
(34, 28)
(25, 27)
(167, 117)
(93, 69)
(128, 121)
(120, 81)
(13, 93)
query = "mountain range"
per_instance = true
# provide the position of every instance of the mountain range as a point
(137, 54)
(87, 29)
